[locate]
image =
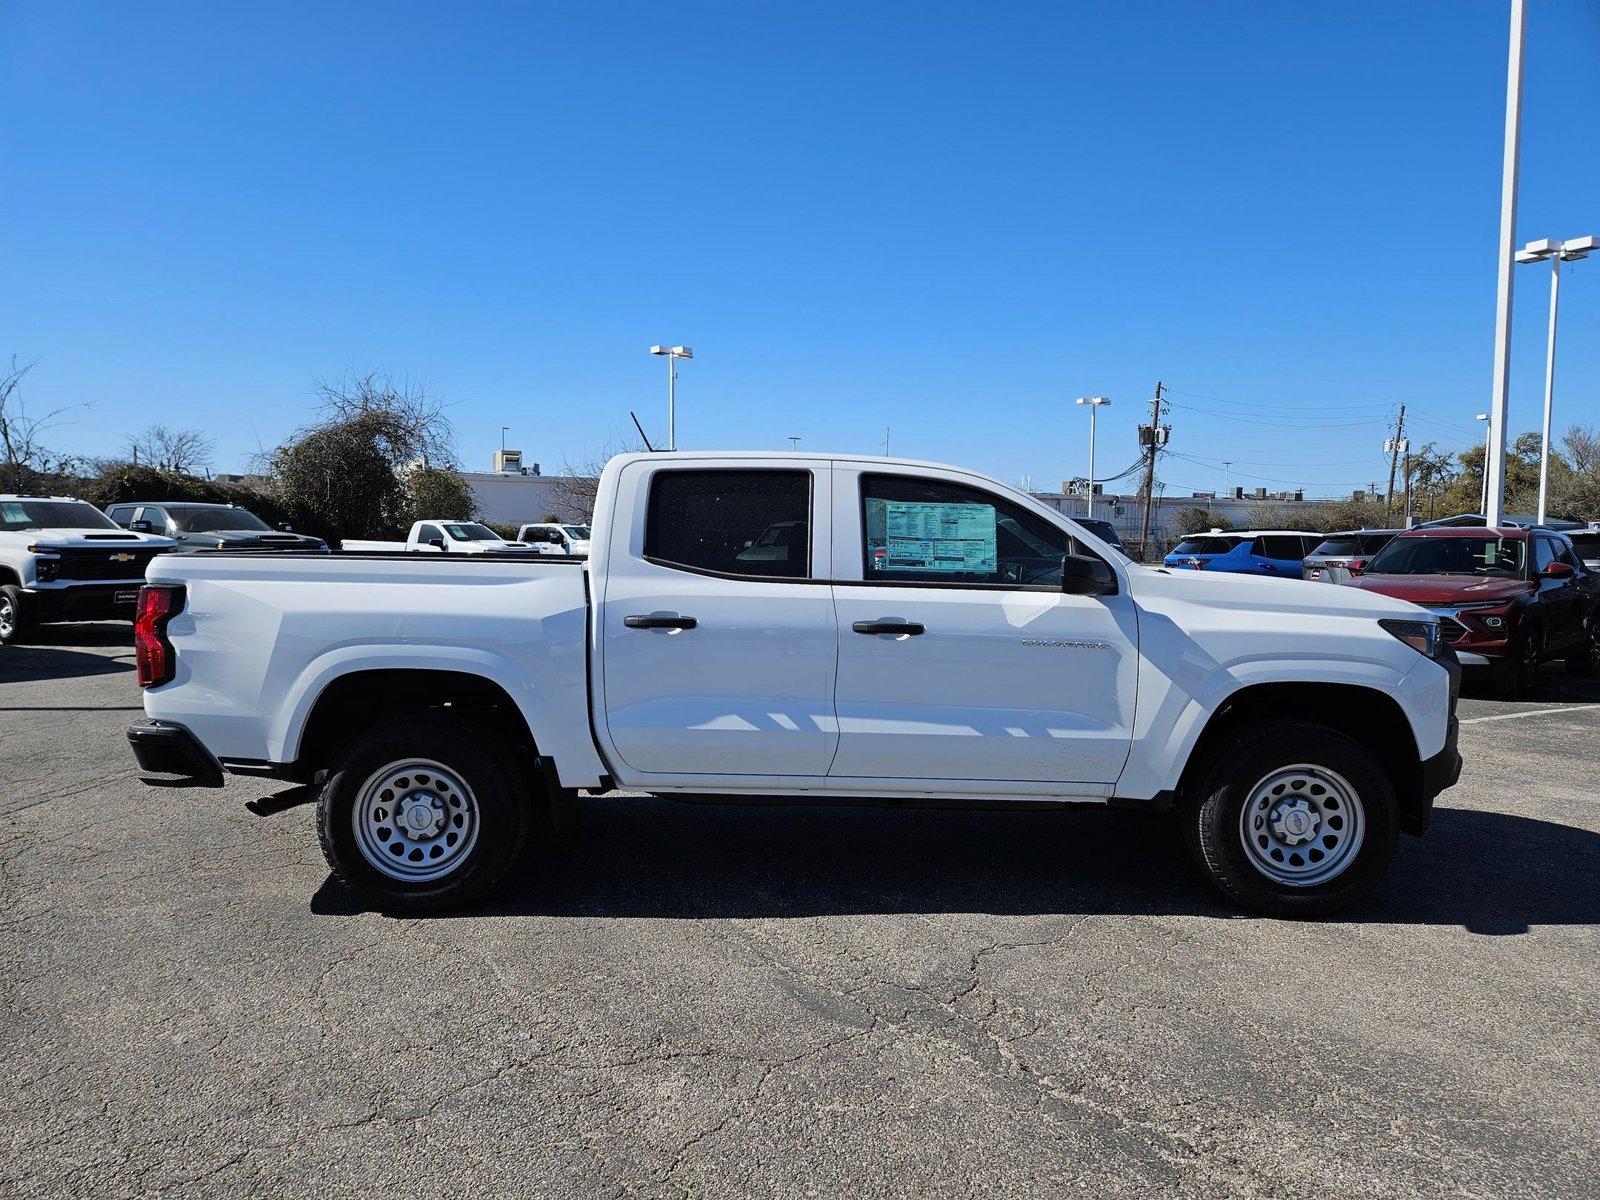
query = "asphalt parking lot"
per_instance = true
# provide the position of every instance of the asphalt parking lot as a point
(739, 1001)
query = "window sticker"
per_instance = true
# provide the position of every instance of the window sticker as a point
(13, 512)
(958, 538)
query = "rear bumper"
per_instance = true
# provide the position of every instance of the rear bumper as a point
(85, 602)
(170, 756)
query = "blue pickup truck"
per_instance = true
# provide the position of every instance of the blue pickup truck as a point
(1276, 552)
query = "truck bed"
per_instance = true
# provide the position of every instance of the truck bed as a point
(259, 636)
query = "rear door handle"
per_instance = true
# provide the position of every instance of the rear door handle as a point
(905, 627)
(660, 621)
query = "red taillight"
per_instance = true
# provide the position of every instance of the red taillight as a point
(1357, 564)
(153, 652)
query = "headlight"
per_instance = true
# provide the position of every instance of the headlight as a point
(1421, 636)
(46, 569)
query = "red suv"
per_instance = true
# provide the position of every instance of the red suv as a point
(1507, 598)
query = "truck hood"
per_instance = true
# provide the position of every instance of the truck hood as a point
(1294, 597)
(85, 539)
(253, 539)
(1440, 589)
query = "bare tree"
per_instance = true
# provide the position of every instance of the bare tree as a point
(1582, 444)
(23, 456)
(415, 429)
(573, 493)
(179, 451)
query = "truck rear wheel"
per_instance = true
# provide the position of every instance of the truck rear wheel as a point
(16, 623)
(1293, 819)
(421, 815)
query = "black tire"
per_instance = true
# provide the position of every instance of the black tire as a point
(1584, 658)
(497, 803)
(16, 617)
(1214, 805)
(1521, 670)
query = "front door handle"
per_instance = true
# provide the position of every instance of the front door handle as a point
(902, 627)
(660, 621)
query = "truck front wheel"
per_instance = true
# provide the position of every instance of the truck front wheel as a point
(16, 622)
(1293, 819)
(421, 815)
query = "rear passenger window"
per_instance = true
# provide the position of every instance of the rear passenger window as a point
(121, 514)
(731, 522)
(1280, 546)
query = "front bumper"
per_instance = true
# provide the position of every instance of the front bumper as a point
(1441, 770)
(170, 756)
(84, 602)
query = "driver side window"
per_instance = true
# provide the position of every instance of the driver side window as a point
(1543, 554)
(930, 531)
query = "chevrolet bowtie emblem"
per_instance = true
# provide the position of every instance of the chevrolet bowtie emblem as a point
(122, 558)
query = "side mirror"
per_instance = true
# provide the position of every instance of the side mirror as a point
(436, 542)
(1557, 570)
(1082, 575)
(141, 526)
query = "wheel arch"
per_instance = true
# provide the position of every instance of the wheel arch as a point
(1370, 716)
(351, 702)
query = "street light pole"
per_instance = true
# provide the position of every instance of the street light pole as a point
(1094, 404)
(1494, 482)
(672, 354)
(1557, 252)
(1483, 494)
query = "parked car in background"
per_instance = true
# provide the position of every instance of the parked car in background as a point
(1276, 552)
(442, 537)
(1507, 598)
(1340, 555)
(1586, 541)
(564, 539)
(196, 526)
(442, 706)
(64, 560)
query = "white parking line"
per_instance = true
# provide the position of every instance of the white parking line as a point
(1530, 712)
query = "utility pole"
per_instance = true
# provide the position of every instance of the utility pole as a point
(1393, 447)
(1406, 476)
(1152, 437)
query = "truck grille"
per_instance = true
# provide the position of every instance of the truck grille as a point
(104, 564)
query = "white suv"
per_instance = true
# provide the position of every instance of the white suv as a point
(64, 560)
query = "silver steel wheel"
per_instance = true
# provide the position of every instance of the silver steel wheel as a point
(415, 820)
(8, 617)
(1302, 825)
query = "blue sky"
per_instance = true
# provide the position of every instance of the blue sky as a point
(946, 219)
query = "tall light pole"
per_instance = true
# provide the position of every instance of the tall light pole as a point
(1494, 482)
(504, 429)
(672, 355)
(1094, 403)
(1557, 253)
(1483, 498)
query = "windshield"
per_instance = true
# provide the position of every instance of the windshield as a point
(1206, 545)
(1498, 558)
(19, 515)
(202, 518)
(578, 533)
(471, 531)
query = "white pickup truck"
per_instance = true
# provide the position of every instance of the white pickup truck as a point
(560, 538)
(442, 537)
(63, 559)
(919, 635)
